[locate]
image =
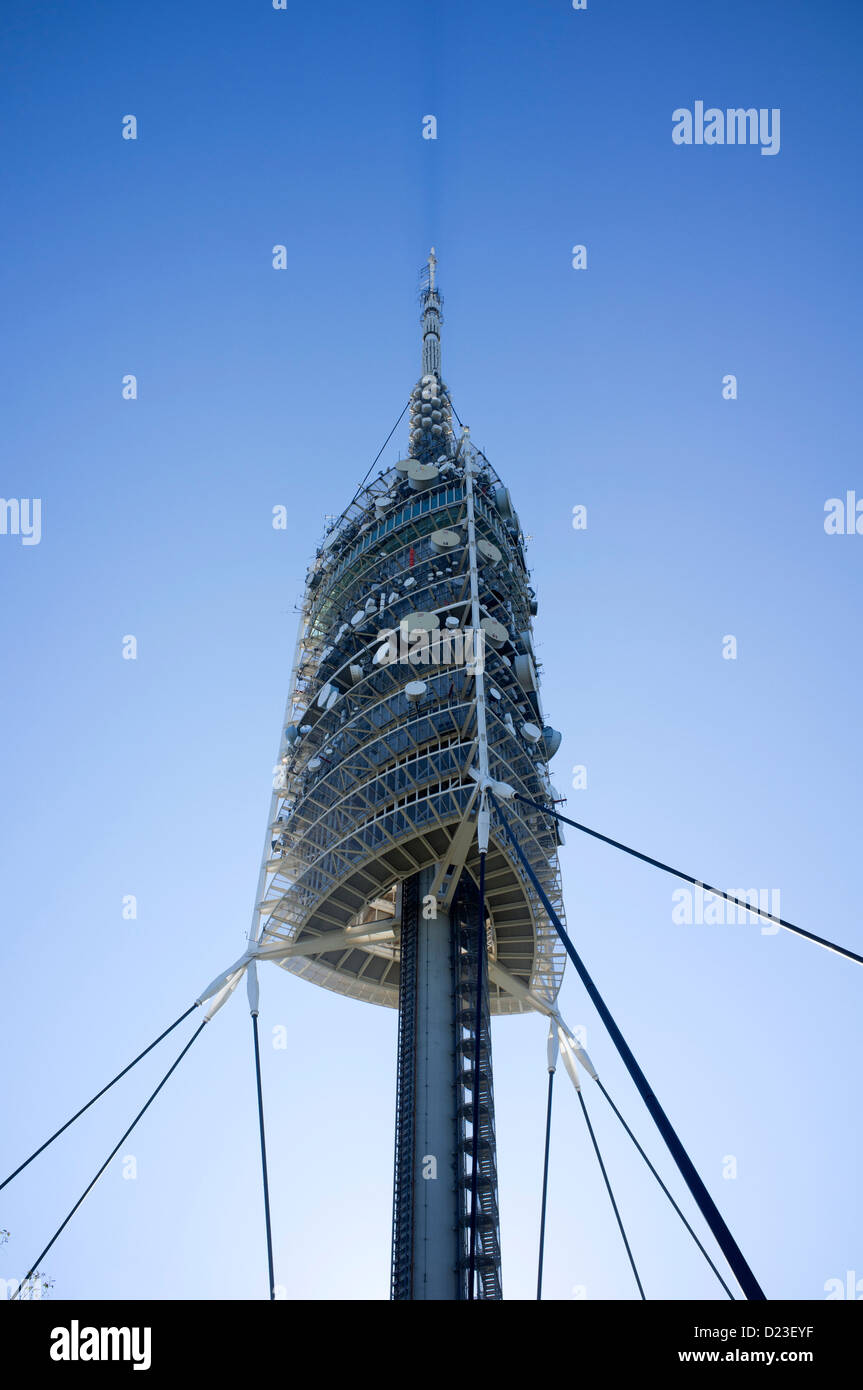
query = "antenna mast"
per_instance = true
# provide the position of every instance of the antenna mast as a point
(432, 320)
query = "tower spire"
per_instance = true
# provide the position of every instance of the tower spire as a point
(431, 411)
(432, 319)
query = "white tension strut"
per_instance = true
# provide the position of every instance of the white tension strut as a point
(223, 994)
(553, 1046)
(483, 821)
(568, 1043)
(569, 1060)
(252, 988)
(225, 983)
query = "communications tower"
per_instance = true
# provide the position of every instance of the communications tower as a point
(414, 689)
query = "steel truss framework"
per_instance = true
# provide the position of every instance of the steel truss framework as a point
(373, 786)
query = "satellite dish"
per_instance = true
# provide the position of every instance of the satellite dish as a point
(489, 551)
(495, 632)
(444, 542)
(381, 656)
(428, 622)
(525, 672)
(552, 740)
(422, 475)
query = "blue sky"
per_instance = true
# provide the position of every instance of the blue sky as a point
(260, 387)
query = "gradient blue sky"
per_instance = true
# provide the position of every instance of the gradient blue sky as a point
(259, 387)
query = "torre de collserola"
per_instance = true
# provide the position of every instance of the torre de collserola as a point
(371, 865)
